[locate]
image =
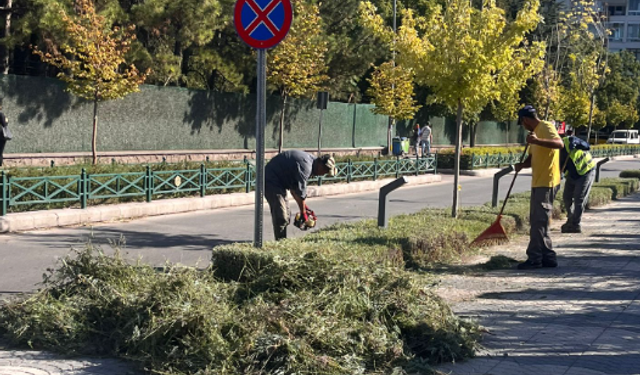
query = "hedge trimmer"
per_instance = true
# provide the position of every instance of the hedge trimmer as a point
(306, 221)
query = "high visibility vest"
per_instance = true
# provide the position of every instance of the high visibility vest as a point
(582, 160)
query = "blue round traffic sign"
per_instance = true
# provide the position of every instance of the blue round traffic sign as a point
(262, 24)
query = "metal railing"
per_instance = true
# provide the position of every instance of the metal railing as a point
(505, 159)
(80, 190)
(494, 160)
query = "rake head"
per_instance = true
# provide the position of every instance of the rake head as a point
(494, 235)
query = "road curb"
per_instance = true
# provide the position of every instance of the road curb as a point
(27, 221)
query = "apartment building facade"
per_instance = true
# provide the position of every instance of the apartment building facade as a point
(623, 19)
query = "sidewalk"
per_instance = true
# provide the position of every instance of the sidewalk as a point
(582, 318)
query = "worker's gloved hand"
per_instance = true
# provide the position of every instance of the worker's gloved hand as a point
(306, 219)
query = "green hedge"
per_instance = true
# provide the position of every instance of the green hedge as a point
(631, 173)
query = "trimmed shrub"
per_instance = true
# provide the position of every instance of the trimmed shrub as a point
(599, 196)
(620, 187)
(632, 173)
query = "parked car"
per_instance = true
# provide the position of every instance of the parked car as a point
(624, 137)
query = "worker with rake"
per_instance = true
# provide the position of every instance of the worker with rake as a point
(544, 161)
(290, 170)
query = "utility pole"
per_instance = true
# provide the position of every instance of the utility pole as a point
(391, 119)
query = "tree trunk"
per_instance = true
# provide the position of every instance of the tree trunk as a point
(456, 164)
(389, 134)
(94, 139)
(281, 138)
(593, 99)
(472, 136)
(7, 33)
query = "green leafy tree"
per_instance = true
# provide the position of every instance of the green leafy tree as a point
(296, 67)
(583, 35)
(171, 31)
(92, 59)
(548, 93)
(467, 56)
(391, 91)
(622, 85)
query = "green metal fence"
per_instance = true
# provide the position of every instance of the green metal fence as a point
(80, 190)
(494, 160)
(504, 159)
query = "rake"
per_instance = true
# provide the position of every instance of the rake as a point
(495, 234)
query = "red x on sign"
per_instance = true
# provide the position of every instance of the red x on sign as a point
(262, 24)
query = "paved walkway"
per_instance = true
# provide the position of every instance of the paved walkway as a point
(582, 318)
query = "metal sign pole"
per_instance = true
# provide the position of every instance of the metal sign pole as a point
(320, 133)
(261, 122)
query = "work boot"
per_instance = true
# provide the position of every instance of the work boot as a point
(565, 227)
(571, 229)
(529, 265)
(549, 263)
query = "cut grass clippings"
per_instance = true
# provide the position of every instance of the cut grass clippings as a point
(349, 299)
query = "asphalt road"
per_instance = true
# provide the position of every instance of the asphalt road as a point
(188, 238)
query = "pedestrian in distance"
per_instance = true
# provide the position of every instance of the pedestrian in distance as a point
(290, 171)
(580, 172)
(544, 161)
(415, 138)
(426, 137)
(3, 139)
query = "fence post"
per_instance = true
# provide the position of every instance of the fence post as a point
(375, 169)
(203, 180)
(397, 166)
(319, 180)
(486, 160)
(149, 183)
(417, 165)
(83, 189)
(247, 175)
(349, 171)
(435, 163)
(4, 191)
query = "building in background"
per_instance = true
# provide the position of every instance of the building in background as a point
(623, 20)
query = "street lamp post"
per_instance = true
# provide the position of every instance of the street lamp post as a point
(393, 86)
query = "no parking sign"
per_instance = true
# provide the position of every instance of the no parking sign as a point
(262, 24)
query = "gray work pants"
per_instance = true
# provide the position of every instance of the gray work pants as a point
(279, 206)
(575, 196)
(541, 208)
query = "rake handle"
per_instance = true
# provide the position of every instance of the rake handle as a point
(504, 203)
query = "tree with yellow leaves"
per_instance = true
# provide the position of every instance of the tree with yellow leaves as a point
(92, 59)
(467, 56)
(296, 67)
(584, 35)
(391, 91)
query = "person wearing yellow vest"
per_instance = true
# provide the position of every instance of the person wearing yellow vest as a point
(580, 172)
(544, 161)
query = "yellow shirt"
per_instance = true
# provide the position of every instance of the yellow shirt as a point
(545, 162)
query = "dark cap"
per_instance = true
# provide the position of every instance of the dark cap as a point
(527, 111)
